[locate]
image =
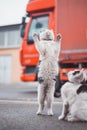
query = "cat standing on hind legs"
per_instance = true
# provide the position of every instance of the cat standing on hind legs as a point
(48, 68)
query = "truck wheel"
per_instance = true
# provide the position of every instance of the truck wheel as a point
(57, 87)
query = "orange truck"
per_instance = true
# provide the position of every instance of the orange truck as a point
(68, 17)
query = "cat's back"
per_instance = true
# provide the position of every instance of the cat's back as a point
(68, 92)
(69, 88)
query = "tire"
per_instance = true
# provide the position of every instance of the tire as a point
(57, 87)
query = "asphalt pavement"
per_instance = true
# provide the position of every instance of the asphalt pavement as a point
(18, 106)
(20, 91)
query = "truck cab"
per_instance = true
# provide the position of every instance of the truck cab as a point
(40, 16)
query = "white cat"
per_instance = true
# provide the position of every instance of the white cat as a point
(48, 68)
(74, 96)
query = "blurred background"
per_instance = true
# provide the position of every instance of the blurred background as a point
(66, 17)
(11, 12)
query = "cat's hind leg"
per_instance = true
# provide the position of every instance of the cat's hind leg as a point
(41, 99)
(50, 97)
(72, 118)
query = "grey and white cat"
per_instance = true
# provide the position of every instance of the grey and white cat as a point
(74, 96)
(48, 68)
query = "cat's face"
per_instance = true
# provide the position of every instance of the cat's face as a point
(46, 35)
(76, 76)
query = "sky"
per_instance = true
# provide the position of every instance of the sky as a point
(11, 11)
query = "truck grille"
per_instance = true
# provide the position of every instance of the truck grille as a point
(31, 69)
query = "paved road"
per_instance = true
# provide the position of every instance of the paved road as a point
(18, 106)
(21, 115)
(20, 91)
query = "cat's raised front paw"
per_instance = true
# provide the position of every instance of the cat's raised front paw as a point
(34, 35)
(59, 37)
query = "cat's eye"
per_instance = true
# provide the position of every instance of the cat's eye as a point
(76, 72)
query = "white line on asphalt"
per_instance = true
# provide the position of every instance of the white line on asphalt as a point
(23, 102)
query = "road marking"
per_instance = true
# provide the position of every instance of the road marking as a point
(24, 102)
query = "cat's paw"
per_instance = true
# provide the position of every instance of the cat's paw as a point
(61, 117)
(50, 113)
(72, 118)
(34, 35)
(59, 37)
(39, 113)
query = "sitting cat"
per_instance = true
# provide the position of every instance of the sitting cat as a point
(74, 96)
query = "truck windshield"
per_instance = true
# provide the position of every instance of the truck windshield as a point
(38, 23)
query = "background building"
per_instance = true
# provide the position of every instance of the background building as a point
(11, 12)
(9, 53)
